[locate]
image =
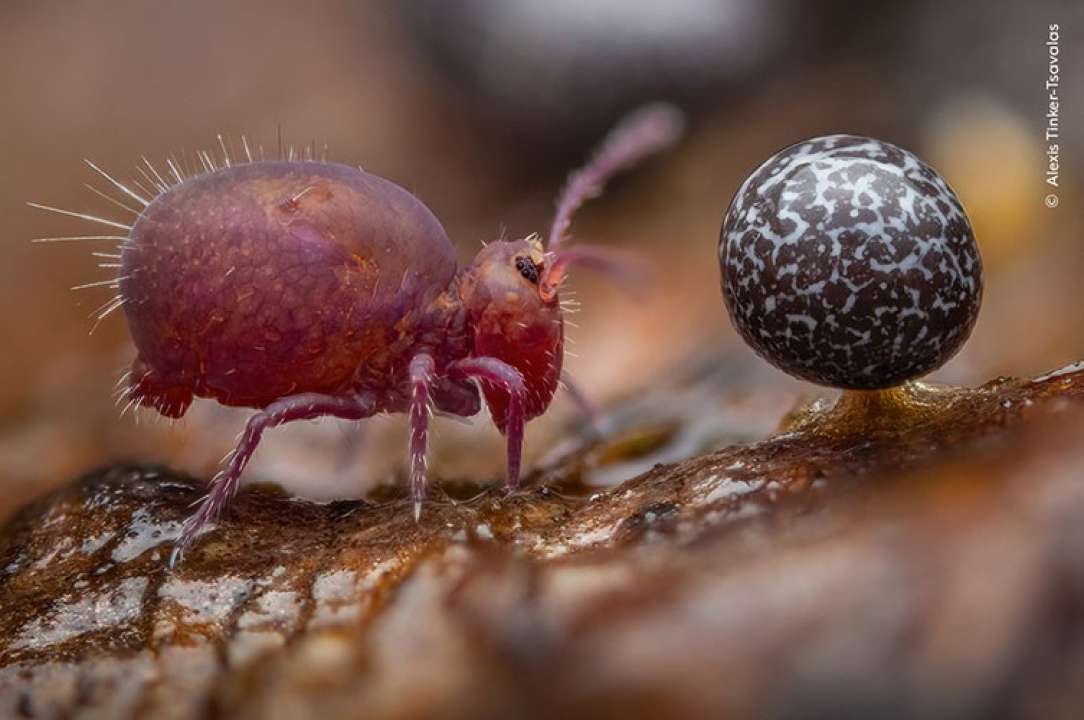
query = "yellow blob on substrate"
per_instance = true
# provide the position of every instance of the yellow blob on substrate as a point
(874, 412)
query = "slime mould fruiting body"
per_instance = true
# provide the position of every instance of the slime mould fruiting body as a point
(308, 289)
(848, 262)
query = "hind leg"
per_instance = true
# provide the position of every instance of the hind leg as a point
(306, 406)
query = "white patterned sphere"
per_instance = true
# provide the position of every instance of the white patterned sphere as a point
(849, 262)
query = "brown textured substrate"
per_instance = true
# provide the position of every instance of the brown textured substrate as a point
(935, 571)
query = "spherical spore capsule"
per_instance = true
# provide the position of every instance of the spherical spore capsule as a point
(849, 262)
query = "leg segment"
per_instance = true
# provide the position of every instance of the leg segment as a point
(306, 406)
(503, 375)
(421, 370)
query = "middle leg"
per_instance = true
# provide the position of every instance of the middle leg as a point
(421, 373)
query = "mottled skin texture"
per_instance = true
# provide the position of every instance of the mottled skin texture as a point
(254, 283)
(513, 322)
(848, 262)
(308, 289)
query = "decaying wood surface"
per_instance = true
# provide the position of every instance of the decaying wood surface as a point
(928, 571)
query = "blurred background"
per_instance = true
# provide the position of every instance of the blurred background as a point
(481, 107)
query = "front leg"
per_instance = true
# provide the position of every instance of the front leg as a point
(503, 375)
(306, 406)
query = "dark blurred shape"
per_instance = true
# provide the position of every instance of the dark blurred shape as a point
(556, 72)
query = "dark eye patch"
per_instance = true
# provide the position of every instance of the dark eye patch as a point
(527, 269)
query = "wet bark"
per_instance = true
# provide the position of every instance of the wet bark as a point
(928, 568)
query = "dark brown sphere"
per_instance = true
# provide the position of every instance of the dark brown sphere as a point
(849, 262)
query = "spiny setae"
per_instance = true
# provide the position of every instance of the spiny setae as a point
(305, 289)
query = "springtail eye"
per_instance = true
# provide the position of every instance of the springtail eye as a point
(527, 269)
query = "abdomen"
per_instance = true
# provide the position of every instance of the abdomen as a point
(269, 279)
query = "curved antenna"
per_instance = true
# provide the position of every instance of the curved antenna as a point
(641, 133)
